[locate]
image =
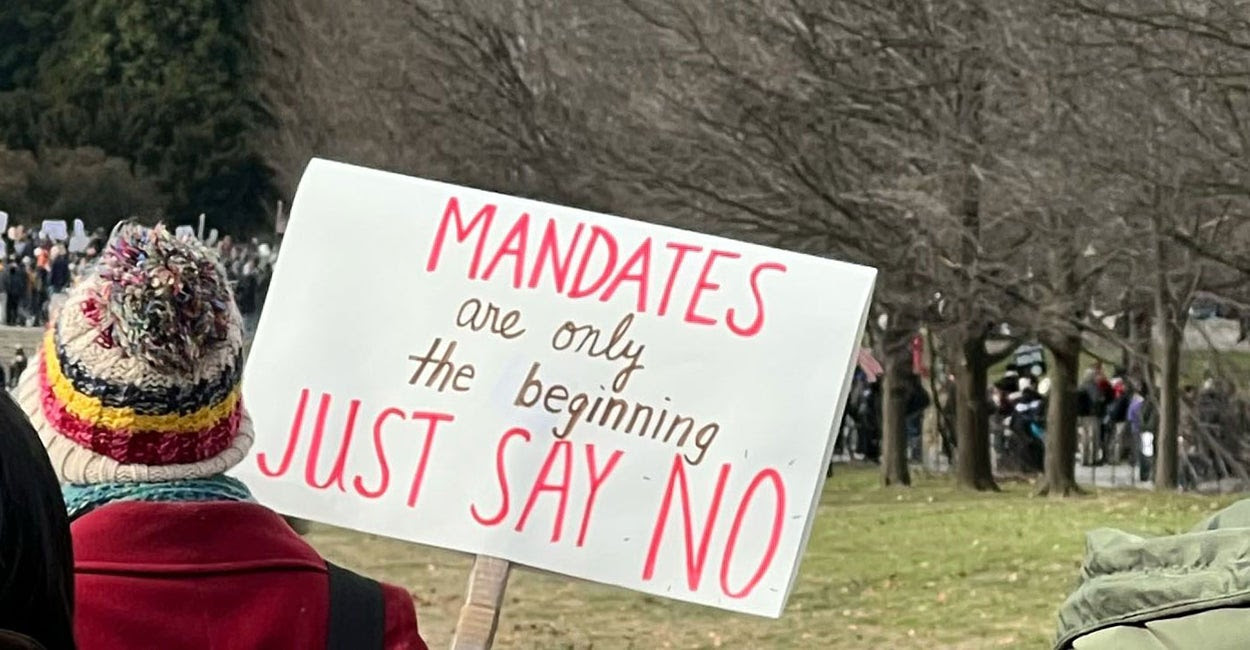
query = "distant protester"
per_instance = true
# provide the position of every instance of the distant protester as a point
(135, 393)
(36, 563)
(18, 366)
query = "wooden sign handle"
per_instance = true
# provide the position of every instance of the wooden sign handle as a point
(479, 617)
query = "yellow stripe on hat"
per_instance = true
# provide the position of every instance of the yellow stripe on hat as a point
(91, 409)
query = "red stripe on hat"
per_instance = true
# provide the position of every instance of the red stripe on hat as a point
(139, 447)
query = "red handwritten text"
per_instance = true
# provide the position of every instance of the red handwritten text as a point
(603, 270)
(696, 555)
(555, 478)
(387, 420)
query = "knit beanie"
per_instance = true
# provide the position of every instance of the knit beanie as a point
(138, 377)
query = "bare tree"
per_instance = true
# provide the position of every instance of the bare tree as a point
(863, 131)
(1180, 164)
(498, 95)
(993, 158)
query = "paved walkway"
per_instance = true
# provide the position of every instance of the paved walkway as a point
(10, 337)
(1110, 476)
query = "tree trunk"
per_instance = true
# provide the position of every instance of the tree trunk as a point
(972, 419)
(1137, 365)
(1167, 334)
(972, 432)
(930, 436)
(1061, 438)
(894, 469)
(1167, 440)
(943, 405)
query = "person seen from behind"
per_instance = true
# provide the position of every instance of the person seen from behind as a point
(59, 273)
(36, 563)
(135, 392)
(18, 366)
(1144, 421)
(15, 289)
(37, 299)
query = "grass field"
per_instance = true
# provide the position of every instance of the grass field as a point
(926, 567)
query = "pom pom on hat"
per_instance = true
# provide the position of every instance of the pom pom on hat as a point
(161, 300)
(138, 379)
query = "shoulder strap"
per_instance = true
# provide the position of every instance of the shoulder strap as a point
(357, 612)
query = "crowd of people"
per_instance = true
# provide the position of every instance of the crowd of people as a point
(39, 267)
(1117, 419)
(1018, 421)
(862, 420)
(115, 501)
(249, 267)
(36, 268)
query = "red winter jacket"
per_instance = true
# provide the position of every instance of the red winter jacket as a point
(216, 575)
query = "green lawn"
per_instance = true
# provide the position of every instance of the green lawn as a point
(1197, 364)
(927, 567)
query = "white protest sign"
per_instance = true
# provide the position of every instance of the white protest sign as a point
(78, 240)
(616, 401)
(184, 232)
(55, 229)
(4, 220)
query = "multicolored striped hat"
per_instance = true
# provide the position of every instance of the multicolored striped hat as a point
(138, 377)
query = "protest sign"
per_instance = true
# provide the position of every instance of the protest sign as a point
(184, 232)
(608, 399)
(55, 229)
(1029, 360)
(4, 220)
(78, 239)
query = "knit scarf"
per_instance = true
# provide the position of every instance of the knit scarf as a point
(83, 498)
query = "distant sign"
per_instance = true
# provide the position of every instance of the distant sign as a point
(55, 229)
(609, 399)
(4, 220)
(78, 239)
(280, 219)
(1029, 360)
(184, 232)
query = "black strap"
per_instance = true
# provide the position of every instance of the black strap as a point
(357, 612)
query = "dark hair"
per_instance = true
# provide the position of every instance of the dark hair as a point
(36, 555)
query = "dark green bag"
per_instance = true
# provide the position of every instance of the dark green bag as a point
(1180, 592)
